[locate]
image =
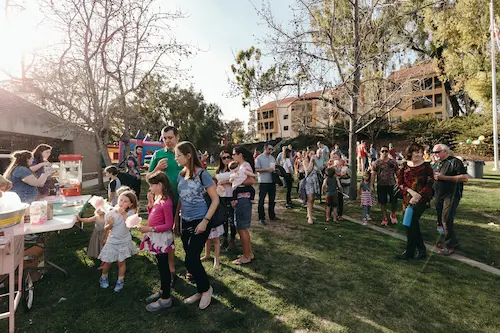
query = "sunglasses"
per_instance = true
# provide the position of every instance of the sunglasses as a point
(384, 151)
(437, 151)
(226, 157)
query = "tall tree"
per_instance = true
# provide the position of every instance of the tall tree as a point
(340, 44)
(234, 131)
(156, 104)
(253, 82)
(108, 49)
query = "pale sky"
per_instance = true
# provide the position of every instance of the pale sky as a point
(220, 28)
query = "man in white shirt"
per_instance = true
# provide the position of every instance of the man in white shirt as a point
(265, 165)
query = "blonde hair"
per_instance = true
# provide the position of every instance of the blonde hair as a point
(133, 199)
(4, 182)
(123, 189)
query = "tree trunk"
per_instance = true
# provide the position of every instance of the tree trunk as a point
(102, 150)
(354, 106)
(455, 106)
(100, 175)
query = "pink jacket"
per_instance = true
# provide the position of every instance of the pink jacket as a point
(161, 216)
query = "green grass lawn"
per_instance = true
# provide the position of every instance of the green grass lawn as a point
(478, 207)
(304, 279)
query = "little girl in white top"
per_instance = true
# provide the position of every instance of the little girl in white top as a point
(119, 245)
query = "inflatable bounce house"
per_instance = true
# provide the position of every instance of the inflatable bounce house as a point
(116, 153)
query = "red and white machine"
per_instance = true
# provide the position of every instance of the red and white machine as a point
(70, 175)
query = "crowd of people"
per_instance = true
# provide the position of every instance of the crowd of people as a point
(415, 177)
(185, 198)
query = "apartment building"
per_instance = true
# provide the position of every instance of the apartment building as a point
(422, 92)
(292, 116)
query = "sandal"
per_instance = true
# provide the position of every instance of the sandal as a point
(252, 257)
(240, 261)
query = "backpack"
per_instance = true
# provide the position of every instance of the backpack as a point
(220, 215)
(280, 171)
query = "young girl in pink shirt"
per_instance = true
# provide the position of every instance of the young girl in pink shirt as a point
(158, 238)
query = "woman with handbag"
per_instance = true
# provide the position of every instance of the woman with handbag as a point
(243, 207)
(193, 182)
(415, 181)
(310, 185)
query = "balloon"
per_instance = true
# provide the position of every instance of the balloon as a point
(481, 138)
(476, 142)
(469, 141)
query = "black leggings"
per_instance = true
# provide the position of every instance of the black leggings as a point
(414, 236)
(289, 184)
(163, 267)
(193, 245)
(340, 208)
(229, 222)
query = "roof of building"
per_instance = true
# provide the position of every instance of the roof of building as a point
(12, 104)
(290, 100)
(416, 71)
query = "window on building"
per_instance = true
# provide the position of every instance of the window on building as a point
(285, 128)
(265, 114)
(416, 85)
(439, 115)
(271, 125)
(271, 114)
(285, 116)
(438, 99)
(422, 102)
(437, 83)
(428, 83)
(260, 126)
(266, 125)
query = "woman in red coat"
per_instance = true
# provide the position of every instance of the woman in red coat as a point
(415, 180)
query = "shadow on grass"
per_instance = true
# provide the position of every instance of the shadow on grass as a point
(483, 184)
(355, 277)
(78, 304)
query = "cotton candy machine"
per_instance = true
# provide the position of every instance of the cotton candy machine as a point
(70, 175)
(12, 254)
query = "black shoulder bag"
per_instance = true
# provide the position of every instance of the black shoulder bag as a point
(220, 215)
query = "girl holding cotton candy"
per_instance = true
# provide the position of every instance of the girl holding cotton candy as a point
(158, 237)
(98, 237)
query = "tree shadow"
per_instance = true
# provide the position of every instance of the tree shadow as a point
(78, 304)
(353, 275)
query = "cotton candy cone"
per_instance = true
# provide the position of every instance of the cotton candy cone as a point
(133, 221)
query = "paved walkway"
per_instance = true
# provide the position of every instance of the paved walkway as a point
(429, 246)
(92, 182)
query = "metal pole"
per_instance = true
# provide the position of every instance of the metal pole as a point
(494, 89)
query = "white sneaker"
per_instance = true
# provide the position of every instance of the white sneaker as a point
(206, 299)
(368, 217)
